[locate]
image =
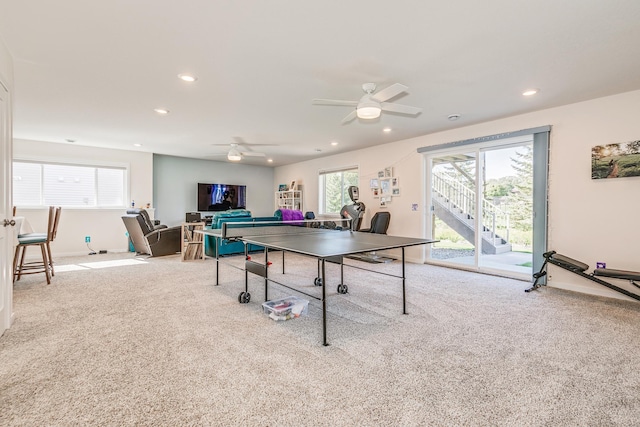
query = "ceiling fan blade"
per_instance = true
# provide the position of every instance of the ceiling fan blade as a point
(238, 140)
(399, 108)
(258, 145)
(252, 154)
(350, 117)
(319, 101)
(389, 92)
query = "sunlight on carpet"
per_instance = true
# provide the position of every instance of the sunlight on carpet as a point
(99, 264)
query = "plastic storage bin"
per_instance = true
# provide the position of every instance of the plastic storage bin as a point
(286, 308)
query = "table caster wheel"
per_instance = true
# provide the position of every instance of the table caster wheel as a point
(244, 297)
(343, 289)
(317, 281)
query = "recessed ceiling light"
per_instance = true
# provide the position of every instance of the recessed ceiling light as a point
(137, 145)
(270, 160)
(530, 92)
(334, 143)
(161, 111)
(387, 130)
(187, 78)
(453, 117)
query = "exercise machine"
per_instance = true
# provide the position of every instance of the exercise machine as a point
(580, 269)
(355, 210)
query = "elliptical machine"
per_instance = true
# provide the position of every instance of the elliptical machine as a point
(354, 211)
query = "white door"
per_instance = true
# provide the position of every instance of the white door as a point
(6, 215)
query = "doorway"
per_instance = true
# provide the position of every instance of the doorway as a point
(481, 207)
(6, 231)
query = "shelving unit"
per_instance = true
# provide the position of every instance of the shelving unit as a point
(192, 243)
(290, 199)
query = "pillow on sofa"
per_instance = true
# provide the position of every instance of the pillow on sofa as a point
(288, 215)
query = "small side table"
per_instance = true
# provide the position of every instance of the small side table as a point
(192, 243)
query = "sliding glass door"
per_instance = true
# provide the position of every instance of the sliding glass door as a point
(507, 208)
(453, 190)
(481, 201)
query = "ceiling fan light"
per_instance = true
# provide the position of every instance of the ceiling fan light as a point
(368, 112)
(234, 155)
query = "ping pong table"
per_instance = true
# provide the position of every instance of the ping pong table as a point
(324, 244)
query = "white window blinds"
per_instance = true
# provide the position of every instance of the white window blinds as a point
(48, 184)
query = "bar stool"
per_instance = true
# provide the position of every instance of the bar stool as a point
(42, 240)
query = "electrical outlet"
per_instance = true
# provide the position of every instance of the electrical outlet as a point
(87, 239)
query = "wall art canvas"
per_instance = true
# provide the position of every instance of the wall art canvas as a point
(615, 160)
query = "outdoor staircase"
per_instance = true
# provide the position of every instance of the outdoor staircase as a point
(454, 203)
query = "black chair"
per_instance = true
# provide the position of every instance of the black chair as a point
(152, 224)
(379, 223)
(149, 238)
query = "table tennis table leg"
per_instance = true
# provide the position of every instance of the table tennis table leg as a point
(324, 306)
(246, 271)
(217, 267)
(245, 296)
(404, 295)
(266, 273)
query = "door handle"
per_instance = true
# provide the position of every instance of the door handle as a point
(7, 222)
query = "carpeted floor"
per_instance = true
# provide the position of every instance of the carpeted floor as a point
(154, 343)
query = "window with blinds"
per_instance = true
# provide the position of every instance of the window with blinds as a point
(54, 184)
(334, 187)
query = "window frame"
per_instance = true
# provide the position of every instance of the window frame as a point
(322, 196)
(124, 167)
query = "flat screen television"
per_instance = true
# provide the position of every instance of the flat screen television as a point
(221, 197)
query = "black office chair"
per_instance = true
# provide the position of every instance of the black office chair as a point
(379, 223)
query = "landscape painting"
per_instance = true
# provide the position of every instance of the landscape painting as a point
(615, 160)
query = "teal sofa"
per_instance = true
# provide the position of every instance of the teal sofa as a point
(214, 246)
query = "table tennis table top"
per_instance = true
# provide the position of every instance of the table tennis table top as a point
(316, 242)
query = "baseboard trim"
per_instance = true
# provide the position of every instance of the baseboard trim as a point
(599, 291)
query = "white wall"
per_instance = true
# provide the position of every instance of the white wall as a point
(105, 226)
(6, 65)
(589, 220)
(176, 179)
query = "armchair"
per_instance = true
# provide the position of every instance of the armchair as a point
(149, 238)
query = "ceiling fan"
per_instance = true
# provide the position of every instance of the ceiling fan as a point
(240, 149)
(370, 105)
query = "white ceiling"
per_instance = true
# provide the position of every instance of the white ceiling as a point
(94, 71)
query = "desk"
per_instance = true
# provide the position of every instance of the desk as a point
(323, 244)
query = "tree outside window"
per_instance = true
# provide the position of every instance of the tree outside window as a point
(334, 189)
